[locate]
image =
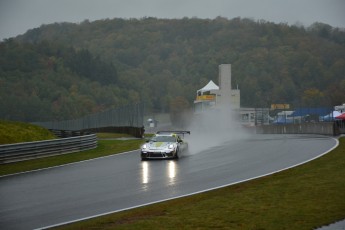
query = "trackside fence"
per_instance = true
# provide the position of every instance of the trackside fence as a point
(37, 149)
(323, 128)
(318, 120)
(126, 116)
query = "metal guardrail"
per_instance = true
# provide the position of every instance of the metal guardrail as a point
(31, 150)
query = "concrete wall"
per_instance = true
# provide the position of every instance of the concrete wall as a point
(324, 128)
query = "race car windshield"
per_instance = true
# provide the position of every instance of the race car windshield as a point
(163, 139)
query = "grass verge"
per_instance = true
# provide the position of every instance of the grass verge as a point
(305, 197)
(104, 148)
(16, 132)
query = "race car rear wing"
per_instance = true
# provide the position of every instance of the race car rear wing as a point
(174, 131)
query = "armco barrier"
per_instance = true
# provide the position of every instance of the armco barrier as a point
(30, 150)
(324, 128)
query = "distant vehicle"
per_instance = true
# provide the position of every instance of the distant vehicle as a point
(165, 145)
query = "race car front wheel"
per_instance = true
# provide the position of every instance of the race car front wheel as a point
(176, 154)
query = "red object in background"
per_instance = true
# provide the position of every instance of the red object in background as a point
(342, 116)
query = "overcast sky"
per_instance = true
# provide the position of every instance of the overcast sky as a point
(17, 16)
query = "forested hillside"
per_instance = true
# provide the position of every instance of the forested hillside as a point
(66, 70)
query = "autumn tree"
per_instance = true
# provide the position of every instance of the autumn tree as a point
(313, 98)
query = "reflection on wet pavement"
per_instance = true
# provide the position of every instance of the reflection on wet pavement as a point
(158, 170)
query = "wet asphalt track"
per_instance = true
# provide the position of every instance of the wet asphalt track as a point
(62, 194)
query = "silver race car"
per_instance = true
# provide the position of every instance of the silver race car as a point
(165, 145)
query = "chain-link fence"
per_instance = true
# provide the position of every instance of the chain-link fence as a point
(126, 116)
(320, 120)
(303, 115)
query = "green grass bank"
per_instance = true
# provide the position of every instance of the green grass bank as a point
(16, 132)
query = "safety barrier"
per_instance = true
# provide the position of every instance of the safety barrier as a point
(323, 128)
(31, 150)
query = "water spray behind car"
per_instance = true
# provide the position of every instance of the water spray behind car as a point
(212, 127)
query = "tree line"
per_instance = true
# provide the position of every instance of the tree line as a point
(66, 70)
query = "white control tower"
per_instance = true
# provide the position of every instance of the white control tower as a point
(228, 96)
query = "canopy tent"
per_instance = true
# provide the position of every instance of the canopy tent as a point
(210, 86)
(341, 116)
(311, 111)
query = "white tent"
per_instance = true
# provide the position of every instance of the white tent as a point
(210, 86)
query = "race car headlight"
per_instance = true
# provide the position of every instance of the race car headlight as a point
(171, 146)
(144, 146)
